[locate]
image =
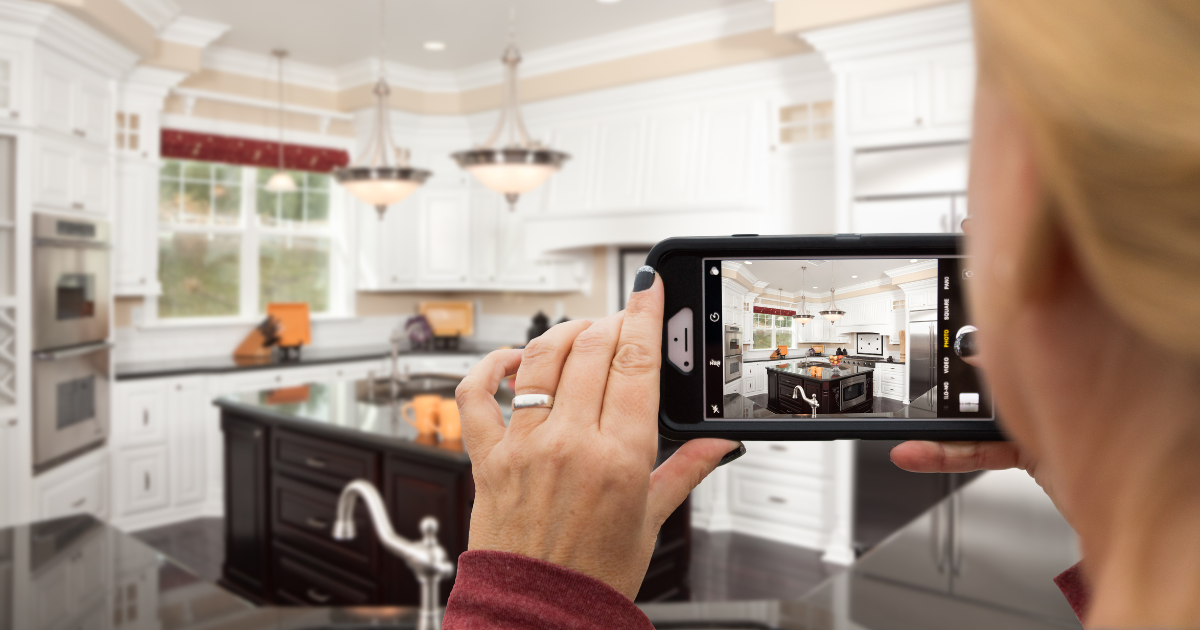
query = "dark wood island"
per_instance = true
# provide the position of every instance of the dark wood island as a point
(840, 389)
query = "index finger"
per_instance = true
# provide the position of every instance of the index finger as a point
(947, 457)
(631, 398)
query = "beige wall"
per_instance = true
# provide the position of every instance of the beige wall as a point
(802, 15)
(175, 56)
(116, 20)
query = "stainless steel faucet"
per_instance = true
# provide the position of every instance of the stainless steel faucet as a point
(798, 392)
(426, 558)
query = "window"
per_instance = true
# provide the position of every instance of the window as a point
(771, 331)
(227, 246)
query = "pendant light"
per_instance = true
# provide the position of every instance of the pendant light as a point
(522, 164)
(833, 313)
(381, 175)
(280, 181)
(802, 314)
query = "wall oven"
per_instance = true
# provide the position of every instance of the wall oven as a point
(733, 340)
(71, 301)
(733, 367)
(853, 391)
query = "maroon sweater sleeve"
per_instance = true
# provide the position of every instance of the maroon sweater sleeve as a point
(495, 590)
(1074, 587)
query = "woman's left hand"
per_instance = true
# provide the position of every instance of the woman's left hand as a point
(575, 485)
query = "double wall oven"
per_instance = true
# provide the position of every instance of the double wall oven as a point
(733, 353)
(71, 301)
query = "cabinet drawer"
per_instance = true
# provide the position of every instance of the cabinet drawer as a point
(141, 420)
(799, 457)
(777, 497)
(332, 463)
(80, 491)
(301, 580)
(892, 391)
(894, 379)
(303, 514)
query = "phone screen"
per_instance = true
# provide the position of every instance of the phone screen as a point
(852, 338)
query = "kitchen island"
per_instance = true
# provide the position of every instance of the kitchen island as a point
(983, 558)
(838, 389)
(290, 451)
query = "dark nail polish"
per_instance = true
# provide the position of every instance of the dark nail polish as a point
(732, 455)
(644, 278)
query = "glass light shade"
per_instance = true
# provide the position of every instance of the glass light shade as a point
(804, 319)
(382, 192)
(281, 182)
(512, 178)
(832, 316)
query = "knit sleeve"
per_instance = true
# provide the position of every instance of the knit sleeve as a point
(496, 590)
(1074, 587)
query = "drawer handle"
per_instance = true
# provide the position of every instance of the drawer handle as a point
(777, 447)
(79, 503)
(779, 500)
(81, 133)
(318, 596)
(145, 417)
(317, 523)
(147, 478)
(313, 462)
(77, 205)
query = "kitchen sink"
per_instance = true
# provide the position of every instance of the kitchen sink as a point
(381, 392)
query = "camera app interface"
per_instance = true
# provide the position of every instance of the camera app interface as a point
(840, 339)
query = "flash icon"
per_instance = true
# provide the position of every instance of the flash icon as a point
(715, 410)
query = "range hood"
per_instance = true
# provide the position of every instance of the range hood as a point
(882, 329)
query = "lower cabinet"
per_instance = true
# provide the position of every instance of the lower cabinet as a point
(281, 491)
(76, 487)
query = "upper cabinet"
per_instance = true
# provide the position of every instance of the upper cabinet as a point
(71, 175)
(72, 100)
(931, 90)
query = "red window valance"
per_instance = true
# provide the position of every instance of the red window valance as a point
(773, 311)
(189, 145)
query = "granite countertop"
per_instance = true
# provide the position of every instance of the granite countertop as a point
(346, 410)
(819, 373)
(308, 357)
(739, 407)
(1006, 559)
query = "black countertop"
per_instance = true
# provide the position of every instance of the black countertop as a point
(345, 410)
(308, 357)
(818, 373)
(1007, 543)
(739, 407)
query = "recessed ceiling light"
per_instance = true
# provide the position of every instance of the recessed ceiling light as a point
(853, 276)
(608, 1)
(749, 263)
(913, 260)
(434, 45)
(814, 287)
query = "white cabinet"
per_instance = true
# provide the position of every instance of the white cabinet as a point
(922, 299)
(930, 89)
(732, 309)
(141, 408)
(189, 404)
(72, 100)
(12, 83)
(70, 175)
(923, 215)
(890, 380)
(135, 251)
(754, 378)
(445, 245)
(734, 387)
(76, 487)
(140, 480)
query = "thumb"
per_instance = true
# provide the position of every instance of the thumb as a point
(671, 482)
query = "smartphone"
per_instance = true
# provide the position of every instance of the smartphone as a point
(789, 338)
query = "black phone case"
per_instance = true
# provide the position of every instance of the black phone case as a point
(681, 398)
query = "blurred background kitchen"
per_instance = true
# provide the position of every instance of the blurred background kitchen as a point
(322, 214)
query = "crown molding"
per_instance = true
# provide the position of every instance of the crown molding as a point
(734, 285)
(263, 66)
(64, 33)
(157, 13)
(917, 285)
(259, 132)
(743, 270)
(148, 86)
(924, 265)
(192, 31)
(939, 25)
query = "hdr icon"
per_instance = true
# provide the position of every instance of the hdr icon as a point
(714, 363)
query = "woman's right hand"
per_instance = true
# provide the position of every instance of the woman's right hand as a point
(952, 457)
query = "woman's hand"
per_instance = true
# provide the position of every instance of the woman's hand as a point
(950, 457)
(575, 485)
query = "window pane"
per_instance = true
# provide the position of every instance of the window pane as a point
(762, 338)
(762, 320)
(783, 338)
(170, 168)
(267, 211)
(291, 207)
(317, 181)
(263, 174)
(199, 274)
(227, 204)
(294, 269)
(196, 202)
(201, 171)
(227, 173)
(169, 198)
(783, 321)
(317, 212)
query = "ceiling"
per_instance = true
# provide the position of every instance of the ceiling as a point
(786, 274)
(336, 32)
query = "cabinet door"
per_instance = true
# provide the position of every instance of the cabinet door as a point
(891, 98)
(246, 497)
(670, 158)
(92, 111)
(54, 95)
(91, 178)
(726, 159)
(135, 252)
(140, 413)
(141, 480)
(570, 189)
(11, 83)
(415, 490)
(933, 214)
(445, 248)
(953, 90)
(54, 171)
(618, 167)
(389, 261)
(77, 489)
(189, 405)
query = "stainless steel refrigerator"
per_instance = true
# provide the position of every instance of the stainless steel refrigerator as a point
(922, 358)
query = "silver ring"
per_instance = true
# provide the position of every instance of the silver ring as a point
(530, 401)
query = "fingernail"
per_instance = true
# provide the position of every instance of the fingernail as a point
(644, 278)
(732, 455)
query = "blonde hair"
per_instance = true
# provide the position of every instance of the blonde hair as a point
(1111, 92)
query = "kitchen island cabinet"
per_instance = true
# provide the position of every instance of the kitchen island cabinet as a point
(825, 382)
(288, 454)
